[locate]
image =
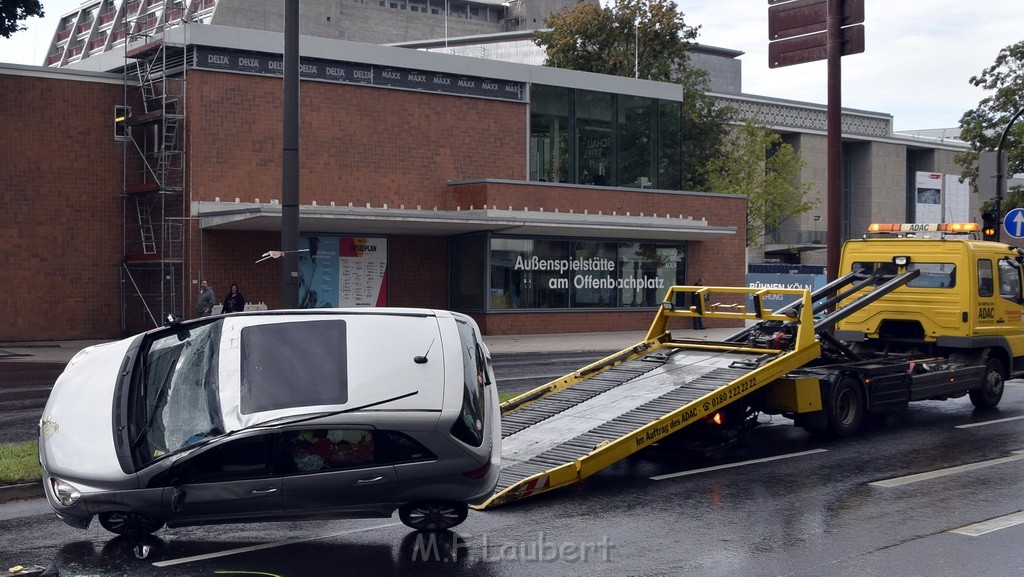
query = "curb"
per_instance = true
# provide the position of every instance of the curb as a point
(22, 492)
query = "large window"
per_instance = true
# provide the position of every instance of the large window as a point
(595, 137)
(549, 134)
(636, 162)
(605, 139)
(527, 273)
(522, 275)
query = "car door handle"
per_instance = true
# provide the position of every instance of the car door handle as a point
(264, 491)
(373, 480)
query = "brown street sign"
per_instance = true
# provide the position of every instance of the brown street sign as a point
(800, 17)
(812, 47)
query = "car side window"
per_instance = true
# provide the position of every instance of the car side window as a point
(315, 450)
(243, 458)
(403, 449)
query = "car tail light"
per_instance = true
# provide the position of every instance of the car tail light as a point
(479, 472)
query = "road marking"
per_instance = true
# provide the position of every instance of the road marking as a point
(992, 422)
(1004, 522)
(898, 481)
(265, 546)
(731, 465)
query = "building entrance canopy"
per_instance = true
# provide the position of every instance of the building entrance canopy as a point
(432, 222)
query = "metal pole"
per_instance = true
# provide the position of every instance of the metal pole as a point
(834, 139)
(290, 160)
(1000, 185)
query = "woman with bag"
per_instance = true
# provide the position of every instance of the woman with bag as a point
(234, 302)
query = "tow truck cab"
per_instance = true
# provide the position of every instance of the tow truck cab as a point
(968, 295)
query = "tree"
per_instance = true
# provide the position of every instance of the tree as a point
(643, 39)
(982, 126)
(758, 164)
(12, 12)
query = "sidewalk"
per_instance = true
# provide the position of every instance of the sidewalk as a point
(62, 351)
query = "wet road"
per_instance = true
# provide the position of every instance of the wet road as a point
(793, 505)
(23, 391)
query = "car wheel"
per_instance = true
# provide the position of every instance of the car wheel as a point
(845, 407)
(433, 515)
(991, 391)
(133, 524)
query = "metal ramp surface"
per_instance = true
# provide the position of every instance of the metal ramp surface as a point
(575, 426)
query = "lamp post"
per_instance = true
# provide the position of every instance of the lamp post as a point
(1000, 167)
(290, 160)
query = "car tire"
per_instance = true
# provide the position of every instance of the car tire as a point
(433, 515)
(132, 524)
(845, 407)
(991, 392)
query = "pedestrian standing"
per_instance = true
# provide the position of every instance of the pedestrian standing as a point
(207, 300)
(234, 302)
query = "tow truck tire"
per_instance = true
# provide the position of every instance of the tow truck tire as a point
(845, 407)
(989, 394)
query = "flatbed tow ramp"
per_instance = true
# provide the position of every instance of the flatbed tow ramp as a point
(573, 427)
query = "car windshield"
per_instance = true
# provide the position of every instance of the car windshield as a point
(177, 404)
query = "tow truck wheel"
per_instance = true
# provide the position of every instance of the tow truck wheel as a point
(991, 391)
(845, 407)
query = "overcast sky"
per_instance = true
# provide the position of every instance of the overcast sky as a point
(919, 54)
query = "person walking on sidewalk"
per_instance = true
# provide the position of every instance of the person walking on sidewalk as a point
(204, 307)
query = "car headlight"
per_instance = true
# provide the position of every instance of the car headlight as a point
(65, 493)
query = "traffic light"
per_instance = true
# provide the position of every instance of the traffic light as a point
(989, 225)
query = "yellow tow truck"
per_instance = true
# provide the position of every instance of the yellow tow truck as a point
(920, 311)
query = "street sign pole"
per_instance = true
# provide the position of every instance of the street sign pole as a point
(806, 31)
(834, 139)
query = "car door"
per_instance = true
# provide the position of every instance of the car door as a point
(337, 470)
(231, 480)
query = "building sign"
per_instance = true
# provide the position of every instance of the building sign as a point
(356, 73)
(342, 271)
(928, 205)
(547, 273)
(762, 280)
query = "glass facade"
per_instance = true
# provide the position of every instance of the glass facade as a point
(537, 273)
(599, 138)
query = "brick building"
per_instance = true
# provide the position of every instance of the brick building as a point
(535, 199)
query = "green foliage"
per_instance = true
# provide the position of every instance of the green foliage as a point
(757, 163)
(19, 463)
(645, 39)
(12, 12)
(983, 126)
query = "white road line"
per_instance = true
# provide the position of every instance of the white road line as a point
(731, 465)
(1004, 522)
(992, 422)
(898, 481)
(264, 546)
